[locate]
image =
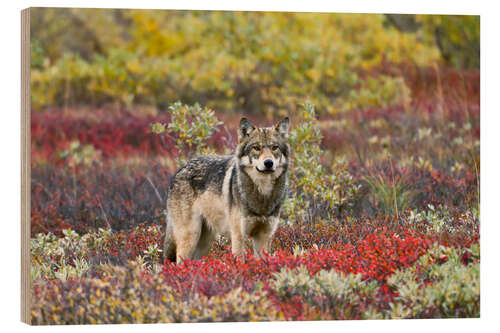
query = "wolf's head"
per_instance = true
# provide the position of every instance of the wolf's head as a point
(263, 152)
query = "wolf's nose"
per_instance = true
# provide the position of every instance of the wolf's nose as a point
(268, 163)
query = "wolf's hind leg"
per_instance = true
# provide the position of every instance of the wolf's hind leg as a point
(169, 243)
(188, 237)
(206, 238)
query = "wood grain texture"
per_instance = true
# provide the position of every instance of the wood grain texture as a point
(25, 167)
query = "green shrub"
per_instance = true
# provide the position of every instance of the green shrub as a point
(451, 289)
(76, 256)
(59, 258)
(192, 126)
(334, 293)
(37, 55)
(439, 219)
(380, 91)
(77, 154)
(457, 37)
(314, 189)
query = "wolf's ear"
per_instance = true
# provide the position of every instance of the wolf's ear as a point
(282, 127)
(246, 128)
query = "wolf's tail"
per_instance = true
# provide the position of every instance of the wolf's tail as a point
(169, 244)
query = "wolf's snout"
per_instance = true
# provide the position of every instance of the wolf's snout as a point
(268, 163)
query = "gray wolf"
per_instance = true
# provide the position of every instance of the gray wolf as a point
(237, 196)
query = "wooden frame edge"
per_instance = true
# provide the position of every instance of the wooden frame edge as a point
(25, 168)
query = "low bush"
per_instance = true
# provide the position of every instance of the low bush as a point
(444, 283)
(126, 295)
(331, 294)
(383, 276)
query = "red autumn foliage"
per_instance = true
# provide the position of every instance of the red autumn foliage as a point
(375, 257)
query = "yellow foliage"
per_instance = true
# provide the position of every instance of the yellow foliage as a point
(230, 61)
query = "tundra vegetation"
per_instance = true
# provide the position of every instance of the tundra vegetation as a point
(382, 214)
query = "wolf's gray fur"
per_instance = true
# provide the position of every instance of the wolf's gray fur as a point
(237, 196)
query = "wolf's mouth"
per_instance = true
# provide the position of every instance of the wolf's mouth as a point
(265, 170)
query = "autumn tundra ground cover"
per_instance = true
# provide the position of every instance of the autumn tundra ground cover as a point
(382, 215)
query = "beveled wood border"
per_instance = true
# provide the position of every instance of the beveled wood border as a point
(25, 168)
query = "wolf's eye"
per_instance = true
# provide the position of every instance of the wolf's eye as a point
(275, 147)
(256, 148)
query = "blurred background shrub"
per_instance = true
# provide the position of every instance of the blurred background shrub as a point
(251, 62)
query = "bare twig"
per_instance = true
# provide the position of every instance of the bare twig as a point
(155, 189)
(104, 214)
(43, 188)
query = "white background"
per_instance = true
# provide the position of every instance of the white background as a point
(490, 142)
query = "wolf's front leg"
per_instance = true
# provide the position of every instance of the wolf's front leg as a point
(237, 239)
(237, 243)
(263, 237)
(261, 243)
